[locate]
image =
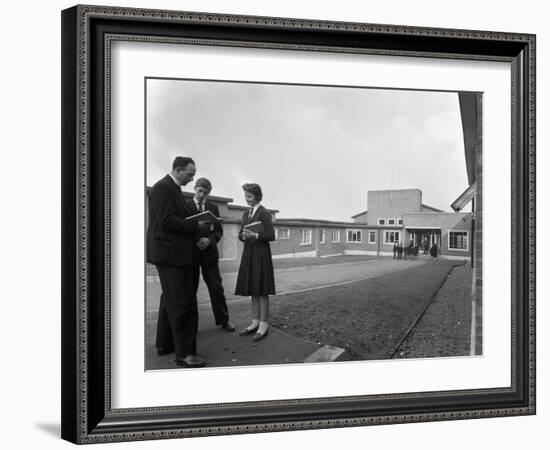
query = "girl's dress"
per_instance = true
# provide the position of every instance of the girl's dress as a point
(256, 277)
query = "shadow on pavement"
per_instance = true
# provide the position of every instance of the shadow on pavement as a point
(227, 349)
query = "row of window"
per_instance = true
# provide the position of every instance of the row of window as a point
(391, 222)
(356, 236)
(458, 240)
(306, 235)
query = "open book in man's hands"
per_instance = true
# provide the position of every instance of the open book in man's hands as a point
(205, 216)
(256, 227)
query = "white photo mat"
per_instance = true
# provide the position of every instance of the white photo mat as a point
(132, 386)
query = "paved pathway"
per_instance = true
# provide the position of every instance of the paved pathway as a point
(222, 349)
(298, 279)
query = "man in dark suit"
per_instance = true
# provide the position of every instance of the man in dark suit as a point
(171, 247)
(207, 240)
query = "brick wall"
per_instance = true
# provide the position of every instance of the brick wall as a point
(446, 222)
(478, 234)
(362, 217)
(363, 247)
(387, 247)
(292, 246)
(332, 248)
(392, 204)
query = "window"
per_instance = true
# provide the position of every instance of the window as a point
(305, 236)
(458, 240)
(372, 237)
(335, 235)
(399, 221)
(321, 236)
(391, 222)
(381, 221)
(282, 233)
(354, 236)
(391, 237)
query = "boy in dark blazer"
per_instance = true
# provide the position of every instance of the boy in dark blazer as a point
(207, 240)
(171, 248)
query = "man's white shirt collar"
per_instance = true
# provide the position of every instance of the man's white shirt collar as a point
(175, 181)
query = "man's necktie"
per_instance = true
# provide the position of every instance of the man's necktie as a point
(201, 207)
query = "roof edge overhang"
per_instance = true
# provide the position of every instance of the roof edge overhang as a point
(465, 198)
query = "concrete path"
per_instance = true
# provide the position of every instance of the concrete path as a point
(223, 349)
(298, 279)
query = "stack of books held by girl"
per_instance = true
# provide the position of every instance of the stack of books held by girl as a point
(256, 227)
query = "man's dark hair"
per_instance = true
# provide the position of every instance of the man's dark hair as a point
(203, 183)
(254, 189)
(182, 162)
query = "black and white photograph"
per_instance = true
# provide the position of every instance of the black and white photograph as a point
(276, 221)
(301, 224)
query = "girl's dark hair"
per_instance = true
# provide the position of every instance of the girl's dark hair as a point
(254, 189)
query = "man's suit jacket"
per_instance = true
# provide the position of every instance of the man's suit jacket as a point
(210, 254)
(170, 239)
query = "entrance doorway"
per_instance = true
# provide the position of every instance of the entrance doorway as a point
(425, 238)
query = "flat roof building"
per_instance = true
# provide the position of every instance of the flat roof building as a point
(391, 216)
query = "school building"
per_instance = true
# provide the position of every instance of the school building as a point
(391, 216)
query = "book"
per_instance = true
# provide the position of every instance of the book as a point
(205, 216)
(256, 227)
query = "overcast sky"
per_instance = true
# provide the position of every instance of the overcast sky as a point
(315, 151)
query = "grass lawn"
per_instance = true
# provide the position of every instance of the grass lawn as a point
(368, 318)
(445, 327)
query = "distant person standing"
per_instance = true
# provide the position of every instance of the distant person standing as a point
(395, 250)
(208, 257)
(399, 250)
(256, 276)
(409, 250)
(433, 252)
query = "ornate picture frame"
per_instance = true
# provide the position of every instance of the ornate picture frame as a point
(87, 35)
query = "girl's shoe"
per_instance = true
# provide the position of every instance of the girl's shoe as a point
(246, 331)
(260, 336)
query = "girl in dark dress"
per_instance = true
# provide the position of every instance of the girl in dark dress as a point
(256, 277)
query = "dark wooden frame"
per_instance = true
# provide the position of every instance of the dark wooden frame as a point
(87, 416)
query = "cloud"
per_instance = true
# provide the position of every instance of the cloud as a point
(315, 150)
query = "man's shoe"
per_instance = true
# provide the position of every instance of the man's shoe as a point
(228, 326)
(164, 350)
(190, 361)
